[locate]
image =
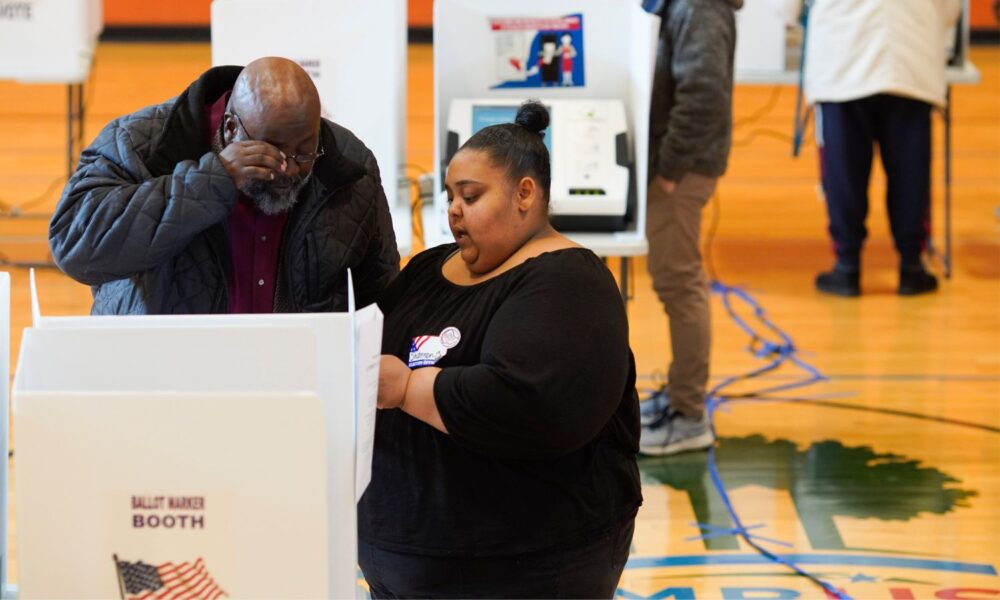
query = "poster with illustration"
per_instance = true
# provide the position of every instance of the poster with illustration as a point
(535, 52)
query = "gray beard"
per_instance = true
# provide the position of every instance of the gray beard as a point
(271, 200)
(270, 197)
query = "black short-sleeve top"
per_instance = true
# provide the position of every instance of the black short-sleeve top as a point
(537, 391)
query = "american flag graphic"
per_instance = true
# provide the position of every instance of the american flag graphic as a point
(140, 581)
(419, 341)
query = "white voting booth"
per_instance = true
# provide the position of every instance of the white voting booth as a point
(489, 55)
(356, 55)
(768, 49)
(53, 42)
(49, 42)
(232, 448)
(762, 41)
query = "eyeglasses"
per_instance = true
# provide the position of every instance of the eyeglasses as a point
(302, 159)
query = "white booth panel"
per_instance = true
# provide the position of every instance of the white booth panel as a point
(140, 379)
(231, 485)
(355, 53)
(760, 38)
(188, 359)
(49, 42)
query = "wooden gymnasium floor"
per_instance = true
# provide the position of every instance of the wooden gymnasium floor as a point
(884, 478)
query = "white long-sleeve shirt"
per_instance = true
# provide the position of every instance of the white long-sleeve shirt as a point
(858, 48)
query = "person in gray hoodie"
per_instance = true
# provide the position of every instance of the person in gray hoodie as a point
(690, 128)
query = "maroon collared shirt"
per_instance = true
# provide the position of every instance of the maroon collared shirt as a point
(254, 244)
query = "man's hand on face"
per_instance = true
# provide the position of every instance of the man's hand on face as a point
(252, 159)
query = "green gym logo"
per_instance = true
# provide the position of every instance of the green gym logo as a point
(826, 482)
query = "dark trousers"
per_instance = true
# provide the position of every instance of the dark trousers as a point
(587, 570)
(847, 133)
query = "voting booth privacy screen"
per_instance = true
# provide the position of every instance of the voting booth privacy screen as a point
(162, 455)
(355, 53)
(590, 62)
(767, 46)
(49, 41)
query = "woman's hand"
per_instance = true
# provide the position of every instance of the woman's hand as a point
(393, 376)
(410, 391)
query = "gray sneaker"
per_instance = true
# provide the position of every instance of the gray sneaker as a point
(654, 408)
(675, 433)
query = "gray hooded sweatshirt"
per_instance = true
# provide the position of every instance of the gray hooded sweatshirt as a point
(690, 121)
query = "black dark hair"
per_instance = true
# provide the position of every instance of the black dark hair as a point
(519, 147)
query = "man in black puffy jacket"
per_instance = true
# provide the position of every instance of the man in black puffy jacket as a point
(234, 197)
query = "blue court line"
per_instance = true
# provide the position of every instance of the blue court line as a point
(854, 560)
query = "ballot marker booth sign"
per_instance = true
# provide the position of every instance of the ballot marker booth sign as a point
(204, 456)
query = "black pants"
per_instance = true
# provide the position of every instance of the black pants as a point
(588, 570)
(847, 132)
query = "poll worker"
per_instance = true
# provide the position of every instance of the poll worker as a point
(504, 462)
(234, 197)
(874, 70)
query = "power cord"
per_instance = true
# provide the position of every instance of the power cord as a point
(9, 211)
(5, 261)
(416, 203)
(761, 112)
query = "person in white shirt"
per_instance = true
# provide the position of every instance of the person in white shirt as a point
(874, 70)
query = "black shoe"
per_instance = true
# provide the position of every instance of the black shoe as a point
(915, 280)
(840, 282)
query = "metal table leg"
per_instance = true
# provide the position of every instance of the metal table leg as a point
(624, 280)
(947, 183)
(74, 125)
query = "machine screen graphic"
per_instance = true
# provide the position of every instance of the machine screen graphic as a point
(484, 116)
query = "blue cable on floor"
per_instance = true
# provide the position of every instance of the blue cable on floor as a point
(780, 353)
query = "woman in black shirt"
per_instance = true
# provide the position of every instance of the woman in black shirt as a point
(509, 468)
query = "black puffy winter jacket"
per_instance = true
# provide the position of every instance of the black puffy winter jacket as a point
(144, 218)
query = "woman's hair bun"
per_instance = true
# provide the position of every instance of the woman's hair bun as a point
(533, 116)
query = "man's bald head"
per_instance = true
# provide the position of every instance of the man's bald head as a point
(275, 88)
(274, 105)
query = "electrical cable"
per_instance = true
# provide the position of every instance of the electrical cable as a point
(761, 112)
(416, 210)
(778, 354)
(5, 261)
(416, 203)
(17, 210)
(8, 210)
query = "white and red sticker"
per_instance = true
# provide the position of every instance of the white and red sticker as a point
(427, 350)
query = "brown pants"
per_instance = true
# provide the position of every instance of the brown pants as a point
(673, 227)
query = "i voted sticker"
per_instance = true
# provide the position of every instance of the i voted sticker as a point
(450, 337)
(427, 350)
